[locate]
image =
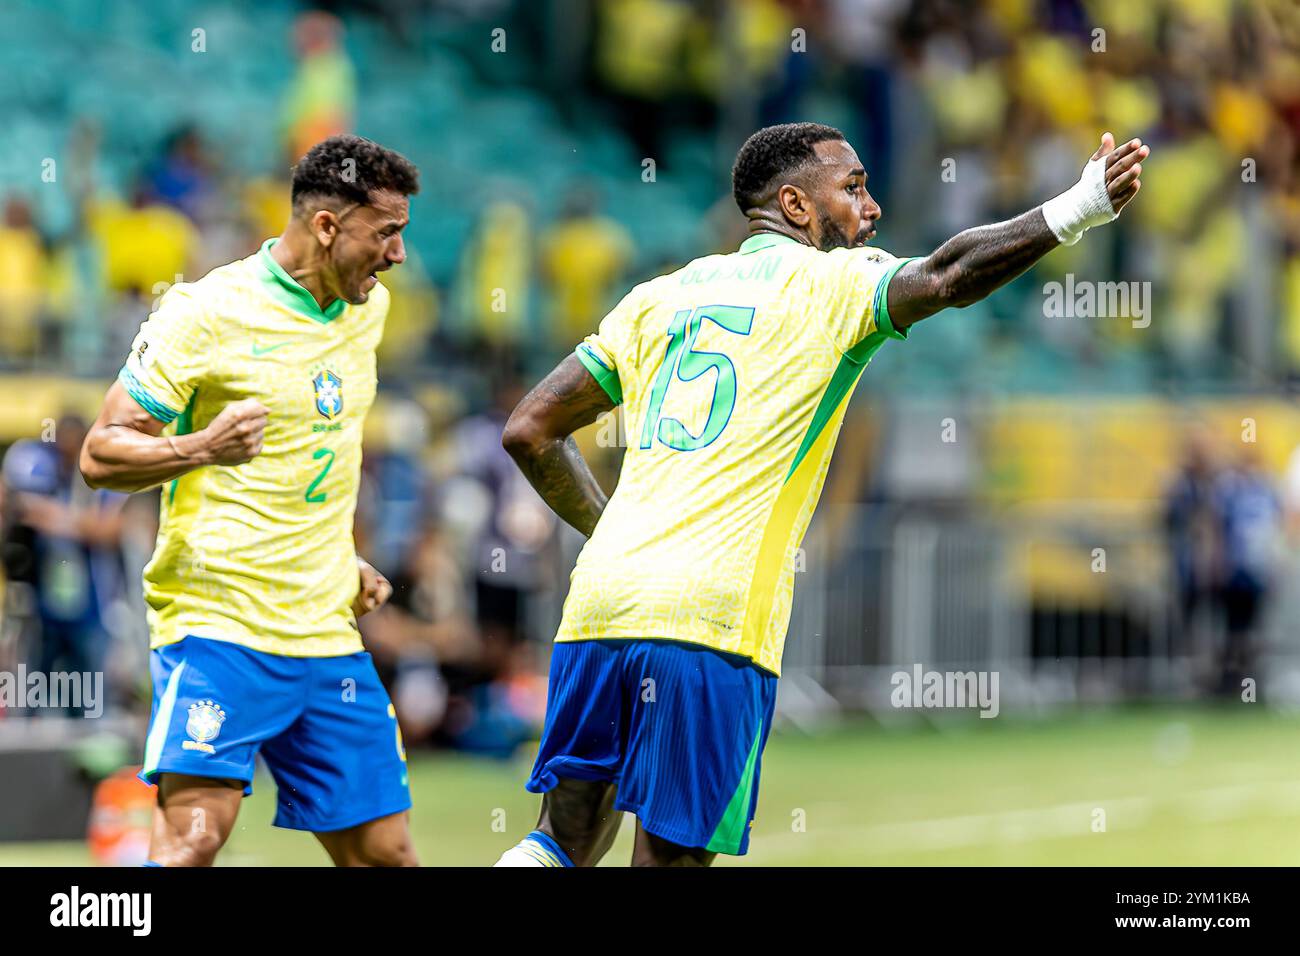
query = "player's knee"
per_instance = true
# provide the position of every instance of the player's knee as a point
(389, 850)
(402, 855)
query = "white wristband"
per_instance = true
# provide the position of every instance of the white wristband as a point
(1082, 206)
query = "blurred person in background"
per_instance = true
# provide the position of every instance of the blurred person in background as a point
(863, 33)
(583, 258)
(776, 67)
(1194, 537)
(639, 55)
(395, 481)
(321, 98)
(509, 551)
(183, 176)
(424, 641)
(495, 281)
(1251, 514)
(146, 245)
(72, 536)
(140, 248)
(1203, 240)
(24, 265)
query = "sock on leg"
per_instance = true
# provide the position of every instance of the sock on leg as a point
(536, 849)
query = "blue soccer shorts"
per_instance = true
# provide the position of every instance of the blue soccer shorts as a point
(324, 726)
(678, 727)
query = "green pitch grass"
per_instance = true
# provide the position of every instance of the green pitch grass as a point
(1203, 787)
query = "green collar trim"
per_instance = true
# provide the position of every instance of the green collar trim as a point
(763, 240)
(287, 291)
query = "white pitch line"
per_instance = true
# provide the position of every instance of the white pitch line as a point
(1281, 798)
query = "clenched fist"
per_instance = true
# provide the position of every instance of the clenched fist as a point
(375, 589)
(235, 435)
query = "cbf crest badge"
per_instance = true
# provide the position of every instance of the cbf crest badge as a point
(204, 724)
(329, 394)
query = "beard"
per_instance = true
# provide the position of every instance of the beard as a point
(833, 237)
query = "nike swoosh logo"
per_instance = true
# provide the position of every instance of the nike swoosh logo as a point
(257, 350)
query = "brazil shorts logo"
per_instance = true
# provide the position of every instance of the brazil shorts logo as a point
(204, 724)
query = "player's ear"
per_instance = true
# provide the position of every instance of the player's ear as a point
(326, 226)
(795, 205)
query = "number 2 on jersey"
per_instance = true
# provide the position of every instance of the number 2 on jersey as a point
(682, 362)
(312, 495)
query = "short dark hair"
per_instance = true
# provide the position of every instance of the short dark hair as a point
(771, 152)
(352, 168)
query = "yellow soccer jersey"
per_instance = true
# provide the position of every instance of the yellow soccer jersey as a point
(734, 373)
(260, 554)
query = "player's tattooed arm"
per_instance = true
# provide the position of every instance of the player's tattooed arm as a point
(539, 438)
(125, 449)
(974, 263)
(968, 267)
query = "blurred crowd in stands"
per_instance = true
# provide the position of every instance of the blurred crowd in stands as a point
(585, 148)
(963, 112)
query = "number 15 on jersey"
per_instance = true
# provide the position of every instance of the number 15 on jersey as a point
(683, 363)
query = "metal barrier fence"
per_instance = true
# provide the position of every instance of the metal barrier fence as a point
(889, 588)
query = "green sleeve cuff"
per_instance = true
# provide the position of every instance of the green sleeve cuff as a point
(880, 303)
(605, 376)
(146, 401)
(862, 352)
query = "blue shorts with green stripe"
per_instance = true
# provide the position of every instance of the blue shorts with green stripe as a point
(324, 726)
(679, 728)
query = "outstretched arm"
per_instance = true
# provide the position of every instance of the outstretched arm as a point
(538, 437)
(974, 263)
